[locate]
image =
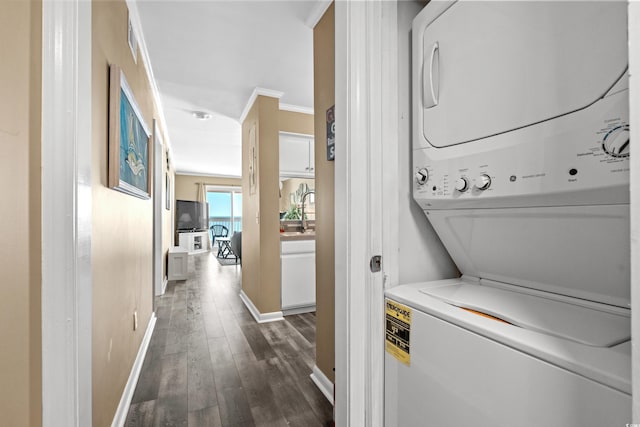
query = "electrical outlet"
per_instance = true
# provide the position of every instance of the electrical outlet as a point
(135, 320)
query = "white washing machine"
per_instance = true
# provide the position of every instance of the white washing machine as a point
(521, 146)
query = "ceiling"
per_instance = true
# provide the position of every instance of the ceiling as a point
(210, 56)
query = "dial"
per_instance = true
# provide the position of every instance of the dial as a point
(483, 182)
(462, 184)
(616, 142)
(422, 176)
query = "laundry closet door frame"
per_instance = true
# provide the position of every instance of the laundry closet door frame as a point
(366, 202)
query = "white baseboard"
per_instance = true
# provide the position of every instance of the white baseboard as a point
(323, 383)
(130, 387)
(299, 310)
(164, 284)
(260, 317)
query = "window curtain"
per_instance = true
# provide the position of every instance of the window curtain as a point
(202, 192)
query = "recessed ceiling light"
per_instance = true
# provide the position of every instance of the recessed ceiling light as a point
(201, 115)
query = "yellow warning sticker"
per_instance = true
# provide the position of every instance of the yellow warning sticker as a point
(398, 328)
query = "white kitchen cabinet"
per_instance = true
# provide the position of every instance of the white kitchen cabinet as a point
(296, 155)
(298, 276)
(194, 242)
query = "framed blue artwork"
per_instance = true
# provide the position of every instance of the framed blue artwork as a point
(129, 140)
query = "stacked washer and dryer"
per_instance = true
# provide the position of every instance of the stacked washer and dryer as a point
(520, 155)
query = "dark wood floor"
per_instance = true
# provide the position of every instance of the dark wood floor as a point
(210, 364)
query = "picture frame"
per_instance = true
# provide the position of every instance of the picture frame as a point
(130, 145)
(253, 160)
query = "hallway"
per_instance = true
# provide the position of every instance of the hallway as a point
(210, 364)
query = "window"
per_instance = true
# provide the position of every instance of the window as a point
(225, 208)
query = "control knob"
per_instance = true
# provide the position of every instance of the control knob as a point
(483, 182)
(616, 142)
(422, 176)
(462, 184)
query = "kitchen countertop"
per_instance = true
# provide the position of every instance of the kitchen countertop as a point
(296, 235)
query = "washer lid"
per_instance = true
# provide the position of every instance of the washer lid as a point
(492, 67)
(552, 317)
(574, 251)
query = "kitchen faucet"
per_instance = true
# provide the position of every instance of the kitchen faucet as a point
(304, 196)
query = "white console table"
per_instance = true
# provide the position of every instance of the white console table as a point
(194, 242)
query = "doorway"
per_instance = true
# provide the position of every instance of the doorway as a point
(159, 284)
(225, 211)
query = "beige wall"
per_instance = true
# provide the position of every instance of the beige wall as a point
(122, 232)
(260, 211)
(296, 122)
(324, 97)
(187, 185)
(20, 253)
(250, 209)
(260, 215)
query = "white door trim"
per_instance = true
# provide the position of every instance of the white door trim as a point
(158, 208)
(66, 213)
(634, 182)
(366, 186)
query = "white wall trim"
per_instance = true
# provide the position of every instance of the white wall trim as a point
(634, 182)
(204, 174)
(323, 383)
(366, 117)
(129, 388)
(256, 92)
(136, 24)
(230, 188)
(351, 248)
(299, 310)
(66, 213)
(390, 128)
(260, 317)
(296, 109)
(317, 13)
(165, 281)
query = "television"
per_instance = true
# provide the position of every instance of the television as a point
(192, 216)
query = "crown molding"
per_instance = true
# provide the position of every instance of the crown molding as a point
(136, 23)
(208, 175)
(296, 109)
(256, 92)
(317, 13)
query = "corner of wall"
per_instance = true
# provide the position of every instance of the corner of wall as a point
(250, 206)
(324, 98)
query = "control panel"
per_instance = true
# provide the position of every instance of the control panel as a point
(616, 141)
(581, 158)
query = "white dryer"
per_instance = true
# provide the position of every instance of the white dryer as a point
(521, 145)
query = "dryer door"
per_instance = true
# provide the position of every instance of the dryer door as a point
(485, 68)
